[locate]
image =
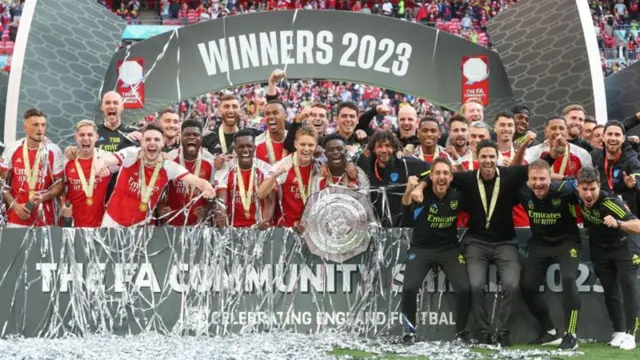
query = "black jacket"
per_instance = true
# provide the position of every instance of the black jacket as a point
(629, 164)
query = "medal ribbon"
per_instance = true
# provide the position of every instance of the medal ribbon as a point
(470, 161)
(343, 178)
(87, 187)
(271, 151)
(197, 170)
(32, 173)
(609, 170)
(246, 195)
(494, 196)
(223, 140)
(147, 189)
(304, 193)
(565, 161)
(436, 153)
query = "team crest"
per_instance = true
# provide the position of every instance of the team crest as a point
(636, 260)
(530, 204)
(573, 253)
(454, 204)
(556, 202)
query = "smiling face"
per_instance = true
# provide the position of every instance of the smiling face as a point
(336, 152)
(504, 128)
(245, 147)
(575, 122)
(476, 135)
(318, 119)
(613, 139)
(170, 123)
(347, 121)
(429, 133)
(539, 181)
(86, 137)
(473, 111)
(229, 111)
(35, 128)
(441, 177)
(488, 158)
(191, 140)
(274, 116)
(112, 106)
(383, 151)
(407, 119)
(459, 133)
(152, 144)
(305, 147)
(522, 122)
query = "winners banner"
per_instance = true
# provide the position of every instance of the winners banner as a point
(219, 281)
(223, 53)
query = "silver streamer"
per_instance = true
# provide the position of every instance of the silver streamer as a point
(201, 292)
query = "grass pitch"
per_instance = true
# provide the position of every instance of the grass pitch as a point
(591, 352)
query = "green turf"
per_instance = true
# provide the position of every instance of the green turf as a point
(591, 352)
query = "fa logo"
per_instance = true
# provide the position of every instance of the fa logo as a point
(636, 260)
(530, 205)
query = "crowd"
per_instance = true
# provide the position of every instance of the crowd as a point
(489, 180)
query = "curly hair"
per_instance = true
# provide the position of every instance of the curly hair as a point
(382, 137)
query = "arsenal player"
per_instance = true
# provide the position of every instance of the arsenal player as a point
(244, 179)
(270, 144)
(459, 150)
(143, 175)
(505, 128)
(573, 156)
(86, 189)
(197, 161)
(294, 174)
(33, 165)
(335, 149)
(429, 134)
(170, 122)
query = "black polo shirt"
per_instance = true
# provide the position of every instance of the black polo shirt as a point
(393, 178)
(600, 235)
(552, 219)
(501, 224)
(436, 220)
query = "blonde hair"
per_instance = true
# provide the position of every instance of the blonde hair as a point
(85, 122)
(472, 100)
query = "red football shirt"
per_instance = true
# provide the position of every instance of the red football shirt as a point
(48, 172)
(124, 205)
(291, 199)
(178, 192)
(85, 215)
(235, 208)
(262, 151)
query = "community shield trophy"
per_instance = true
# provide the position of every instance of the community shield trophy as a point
(338, 221)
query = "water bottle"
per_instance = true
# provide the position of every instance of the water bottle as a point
(67, 221)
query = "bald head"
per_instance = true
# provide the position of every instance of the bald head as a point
(112, 105)
(407, 121)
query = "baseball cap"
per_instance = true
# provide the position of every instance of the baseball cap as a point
(521, 109)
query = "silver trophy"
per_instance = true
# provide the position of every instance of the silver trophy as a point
(338, 221)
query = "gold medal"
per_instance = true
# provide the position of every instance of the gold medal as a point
(146, 190)
(143, 207)
(87, 185)
(89, 201)
(196, 171)
(271, 151)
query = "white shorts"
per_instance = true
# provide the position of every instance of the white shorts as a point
(16, 226)
(108, 222)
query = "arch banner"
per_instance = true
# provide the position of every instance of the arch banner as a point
(308, 44)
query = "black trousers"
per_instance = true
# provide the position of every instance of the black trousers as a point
(479, 254)
(567, 255)
(617, 270)
(418, 263)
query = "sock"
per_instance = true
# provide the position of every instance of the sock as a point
(552, 332)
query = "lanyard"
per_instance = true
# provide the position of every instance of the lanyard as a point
(609, 170)
(375, 168)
